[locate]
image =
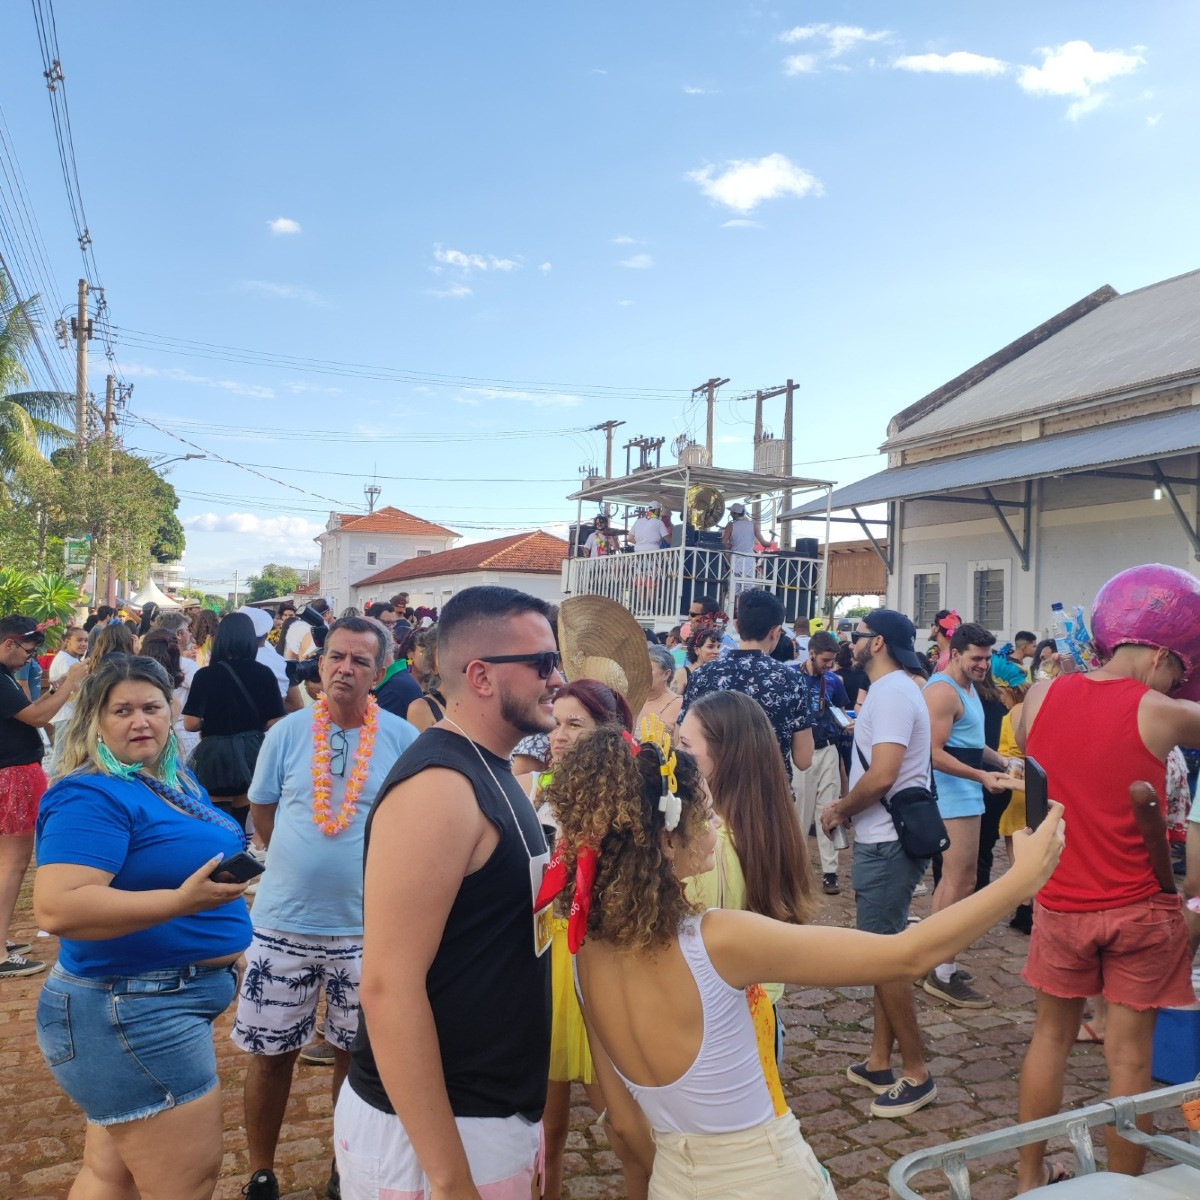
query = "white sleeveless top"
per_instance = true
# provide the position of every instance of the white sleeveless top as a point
(724, 1089)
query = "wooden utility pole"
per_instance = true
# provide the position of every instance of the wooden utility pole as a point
(709, 387)
(110, 586)
(81, 331)
(789, 392)
(758, 403)
(608, 427)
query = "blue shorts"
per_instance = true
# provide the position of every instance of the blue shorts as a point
(126, 1047)
(884, 878)
(958, 797)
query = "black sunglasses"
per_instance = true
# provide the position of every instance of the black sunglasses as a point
(545, 662)
(857, 635)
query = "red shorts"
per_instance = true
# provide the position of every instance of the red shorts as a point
(1136, 955)
(20, 790)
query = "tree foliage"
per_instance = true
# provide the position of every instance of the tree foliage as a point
(273, 580)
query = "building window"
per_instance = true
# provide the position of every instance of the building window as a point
(988, 589)
(372, 558)
(927, 598)
(424, 553)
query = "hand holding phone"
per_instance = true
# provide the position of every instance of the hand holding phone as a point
(238, 868)
(1037, 797)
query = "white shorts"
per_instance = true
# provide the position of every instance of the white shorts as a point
(376, 1161)
(285, 975)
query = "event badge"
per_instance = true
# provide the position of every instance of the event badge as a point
(543, 918)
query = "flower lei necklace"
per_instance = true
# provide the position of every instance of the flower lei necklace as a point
(322, 777)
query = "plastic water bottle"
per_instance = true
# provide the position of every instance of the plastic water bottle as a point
(1064, 642)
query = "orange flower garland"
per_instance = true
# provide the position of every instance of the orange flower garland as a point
(322, 778)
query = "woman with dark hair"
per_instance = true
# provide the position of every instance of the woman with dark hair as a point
(427, 708)
(580, 707)
(150, 610)
(232, 703)
(702, 647)
(1045, 663)
(127, 842)
(663, 982)
(204, 629)
(163, 646)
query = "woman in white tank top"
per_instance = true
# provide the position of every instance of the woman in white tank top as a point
(663, 985)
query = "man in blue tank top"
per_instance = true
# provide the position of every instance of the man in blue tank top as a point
(448, 1072)
(962, 767)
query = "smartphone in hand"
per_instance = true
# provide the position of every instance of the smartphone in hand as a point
(1037, 797)
(238, 868)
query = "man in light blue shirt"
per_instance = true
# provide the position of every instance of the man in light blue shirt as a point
(318, 774)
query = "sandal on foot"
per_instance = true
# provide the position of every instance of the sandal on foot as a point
(1057, 1173)
(1088, 1036)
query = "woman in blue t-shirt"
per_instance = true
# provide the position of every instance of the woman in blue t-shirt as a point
(126, 843)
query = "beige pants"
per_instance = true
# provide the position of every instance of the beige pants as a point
(820, 785)
(767, 1162)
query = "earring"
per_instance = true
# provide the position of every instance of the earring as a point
(168, 765)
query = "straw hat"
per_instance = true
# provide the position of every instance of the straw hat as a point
(600, 640)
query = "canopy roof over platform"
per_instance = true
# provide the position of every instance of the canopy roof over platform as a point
(668, 485)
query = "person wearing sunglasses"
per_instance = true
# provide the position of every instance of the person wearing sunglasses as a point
(448, 1073)
(22, 780)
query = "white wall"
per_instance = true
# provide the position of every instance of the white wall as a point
(435, 590)
(344, 558)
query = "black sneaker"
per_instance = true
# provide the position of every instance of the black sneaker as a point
(262, 1186)
(878, 1081)
(904, 1098)
(333, 1189)
(17, 947)
(955, 990)
(15, 965)
(829, 884)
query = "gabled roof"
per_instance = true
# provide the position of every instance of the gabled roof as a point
(1106, 346)
(389, 520)
(536, 553)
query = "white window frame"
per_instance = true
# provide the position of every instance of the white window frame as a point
(938, 569)
(1003, 565)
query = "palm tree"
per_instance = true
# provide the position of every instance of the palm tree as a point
(29, 421)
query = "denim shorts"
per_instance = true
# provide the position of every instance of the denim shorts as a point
(884, 878)
(126, 1047)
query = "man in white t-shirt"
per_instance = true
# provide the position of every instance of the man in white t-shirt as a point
(648, 531)
(891, 735)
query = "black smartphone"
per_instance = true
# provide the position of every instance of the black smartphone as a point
(1037, 798)
(238, 868)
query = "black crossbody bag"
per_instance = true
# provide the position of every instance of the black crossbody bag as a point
(914, 812)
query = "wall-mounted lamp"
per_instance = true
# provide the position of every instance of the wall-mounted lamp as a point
(1158, 493)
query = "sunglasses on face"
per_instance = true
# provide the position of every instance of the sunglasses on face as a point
(857, 635)
(546, 662)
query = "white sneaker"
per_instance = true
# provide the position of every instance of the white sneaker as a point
(922, 889)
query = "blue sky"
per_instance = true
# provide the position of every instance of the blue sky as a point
(531, 218)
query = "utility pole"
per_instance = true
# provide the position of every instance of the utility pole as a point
(608, 427)
(81, 331)
(789, 392)
(758, 403)
(710, 388)
(110, 586)
(235, 590)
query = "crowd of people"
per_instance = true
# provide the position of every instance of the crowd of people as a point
(509, 849)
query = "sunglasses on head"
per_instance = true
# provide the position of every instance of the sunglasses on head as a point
(546, 662)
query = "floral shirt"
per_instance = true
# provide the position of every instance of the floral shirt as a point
(782, 693)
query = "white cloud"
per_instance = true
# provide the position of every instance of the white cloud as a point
(689, 90)
(838, 38)
(624, 303)
(800, 64)
(638, 262)
(624, 239)
(283, 225)
(535, 399)
(472, 262)
(959, 62)
(1075, 69)
(1154, 120)
(744, 184)
(453, 291)
(741, 223)
(280, 291)
(235, 387)
(249, 523)
(545, 268)
(597, 71)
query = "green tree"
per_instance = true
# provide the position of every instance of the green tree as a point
(273, 580)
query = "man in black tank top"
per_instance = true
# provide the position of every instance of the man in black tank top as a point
(454, 1037)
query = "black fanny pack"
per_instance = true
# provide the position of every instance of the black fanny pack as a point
(914, 812)
(969, 756)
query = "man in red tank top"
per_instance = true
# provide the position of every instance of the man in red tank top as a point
(1102, 924)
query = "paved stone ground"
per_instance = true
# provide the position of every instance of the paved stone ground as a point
(975, 1056)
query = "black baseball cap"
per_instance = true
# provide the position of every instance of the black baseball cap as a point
(899, 633)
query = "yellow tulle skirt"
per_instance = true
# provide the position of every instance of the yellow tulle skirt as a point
(570, 1055)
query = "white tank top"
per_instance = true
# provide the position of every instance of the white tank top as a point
(724, 1089)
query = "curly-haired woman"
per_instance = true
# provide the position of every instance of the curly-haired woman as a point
(663, 984)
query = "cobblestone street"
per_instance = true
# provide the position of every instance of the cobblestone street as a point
(974, 1055)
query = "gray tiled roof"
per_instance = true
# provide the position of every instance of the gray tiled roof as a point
(1141, 339)
(1128, 442)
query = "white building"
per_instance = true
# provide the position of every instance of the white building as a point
(1043, 470)
(358, 544)
(530, 562)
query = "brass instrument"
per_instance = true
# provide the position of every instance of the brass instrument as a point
(705, 505)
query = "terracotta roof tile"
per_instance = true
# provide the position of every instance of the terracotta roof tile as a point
(392, 520)
(537, 553)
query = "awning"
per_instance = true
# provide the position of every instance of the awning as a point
(1110, 445)
(667, 483)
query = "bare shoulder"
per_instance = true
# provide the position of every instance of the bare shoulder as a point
(436, 796)
(941, 696)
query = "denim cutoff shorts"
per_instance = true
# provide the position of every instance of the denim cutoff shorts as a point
(127, 1047)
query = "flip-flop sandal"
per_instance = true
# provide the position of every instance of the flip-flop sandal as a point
(1088, 1036)
(1056, 1173)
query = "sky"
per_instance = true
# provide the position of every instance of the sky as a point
(431, 245)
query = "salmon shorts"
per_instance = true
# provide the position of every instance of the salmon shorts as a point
(1136, 956)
